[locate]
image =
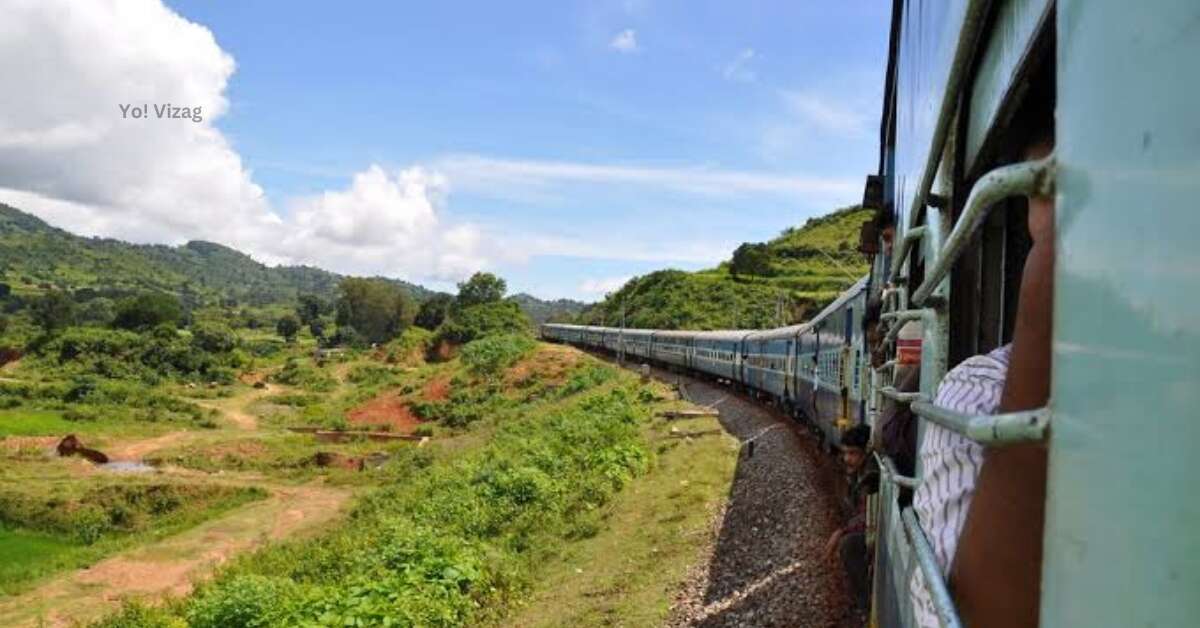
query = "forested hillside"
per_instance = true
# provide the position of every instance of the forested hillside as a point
(782, 281)
(35, 257)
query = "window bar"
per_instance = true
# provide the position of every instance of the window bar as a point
(928, 565)
(1013, 427)
(900, 397)
(1019, 179)
(890, 474)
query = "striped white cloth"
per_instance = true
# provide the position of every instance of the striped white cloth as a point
(950, 465)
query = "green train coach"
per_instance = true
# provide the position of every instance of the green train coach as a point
(969, 85)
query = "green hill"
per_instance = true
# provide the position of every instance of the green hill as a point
(543, 311)
(782, 281)
(35, 256)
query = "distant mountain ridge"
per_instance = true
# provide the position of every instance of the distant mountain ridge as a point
(543, 311)
(35, 256)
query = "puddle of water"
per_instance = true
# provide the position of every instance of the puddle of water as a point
(127, 466)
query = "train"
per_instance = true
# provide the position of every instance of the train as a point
(811, 371)
(969, 83)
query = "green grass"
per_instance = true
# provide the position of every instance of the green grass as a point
(35, 422)
(48, 521)
(23, 553)
(643, 542)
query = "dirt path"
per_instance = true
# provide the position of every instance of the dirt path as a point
(233, 409)
(233, 412)
(139, 449)
(172, 565)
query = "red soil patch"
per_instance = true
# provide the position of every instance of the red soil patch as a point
(550, 363)
(438, 389)
(387, 409)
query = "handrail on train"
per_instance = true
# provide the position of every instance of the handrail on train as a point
(900, 397)
(1025, 178)
(903, 316)
(995, 429)
(890, 474)
(928, 564)
(911, 235)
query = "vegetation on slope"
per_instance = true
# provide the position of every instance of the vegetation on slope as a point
(36, 257)
(779, 282)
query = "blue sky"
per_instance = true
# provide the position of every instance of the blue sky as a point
(565, 146)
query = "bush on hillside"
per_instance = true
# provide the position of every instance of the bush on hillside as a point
(146, 310)
(491, 354)
(488, 319)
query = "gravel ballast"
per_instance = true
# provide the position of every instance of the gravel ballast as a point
(764, 565)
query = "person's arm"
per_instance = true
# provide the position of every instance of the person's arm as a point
(996, 574)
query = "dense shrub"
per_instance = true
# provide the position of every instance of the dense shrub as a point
(147, 310)
(213, 337)
(479, 321)
(296, 372)
(121, 354)
(488, 355)
(369, 374)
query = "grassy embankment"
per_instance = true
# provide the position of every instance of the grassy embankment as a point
(548, 462)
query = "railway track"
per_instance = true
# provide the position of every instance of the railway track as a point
(763, 566)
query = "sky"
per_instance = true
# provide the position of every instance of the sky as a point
(566, 146)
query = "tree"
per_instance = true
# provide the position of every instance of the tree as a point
(310, 308)
(751, 259)
(53, 311)
(317, 328)
(433, 311)
(98, 311)
(149, 309)
(479, 321)
(288, 326)
(213, 337)
(376, 309)
(479, 289)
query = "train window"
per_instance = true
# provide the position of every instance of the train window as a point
(985, 283)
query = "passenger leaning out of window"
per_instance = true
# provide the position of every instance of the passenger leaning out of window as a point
(982, 510)
(850, 541)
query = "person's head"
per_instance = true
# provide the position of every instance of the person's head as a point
(871, 330)
(885, 223)
(854, 443)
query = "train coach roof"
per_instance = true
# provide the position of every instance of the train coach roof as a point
(790, 331)
(722, 334)
(674, 333)
(850, 293)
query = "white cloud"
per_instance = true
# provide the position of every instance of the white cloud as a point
(481, 174)
(603, 286)
(824, 112)
(68, 155)
(74, 64)
(624, 41)
(739, 70)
